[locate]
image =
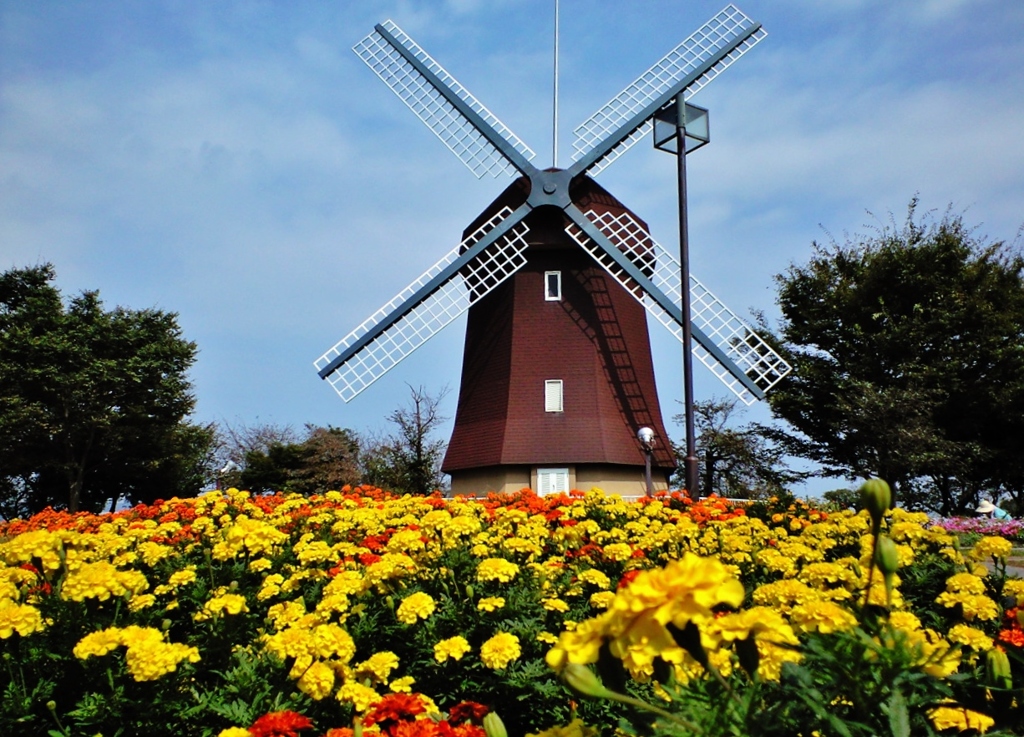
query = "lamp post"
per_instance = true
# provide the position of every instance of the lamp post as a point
(680, 128)
(229, 467)
(646, 437)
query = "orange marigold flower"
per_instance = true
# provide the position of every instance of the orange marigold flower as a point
(280, 724)
(394, 707)
(470, 711)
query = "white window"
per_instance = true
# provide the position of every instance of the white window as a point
(552, 481)
(552, 286)
(553, 395)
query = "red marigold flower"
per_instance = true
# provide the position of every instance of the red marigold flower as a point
(468, 711)
(280, 724)
(340, 732)
(468, 730)
(394, 707)
(421, 728)
(627, 578)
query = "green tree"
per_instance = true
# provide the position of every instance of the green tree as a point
(93, 403)
(908, 356)
(326, 459)
(737, 462)
(409, 460)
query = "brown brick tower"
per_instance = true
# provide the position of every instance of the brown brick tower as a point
(557, 374)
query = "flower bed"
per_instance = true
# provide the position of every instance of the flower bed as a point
(239, 615)
(1012, 530)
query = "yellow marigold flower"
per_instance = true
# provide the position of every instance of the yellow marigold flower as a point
(769, 630)
(361, 697)
(966, 583)
(575, 728)
(402, 685)
(776, 562)
(453, 647)
(234, 732)
(934, 655)
(259, 564)
(822, 616)
(1014, 587)
(490, 603)
(905, 621)
(974, 606)
(140, 602)
(21, 618)
(618, 552)
(101, 580)
(500, 650)
(547, 638)
(785, 594)
(152, 553)
(991, 547)
(602, 599)
(149, 656)
(554, 605)
(378, 666)
(42, 544)
(271, 586)
(317, 681)
(959, 718)
(98, 643)
(227, 604)
(415, 607)
(496, 569)
(332, 641)
(286, 613)
(969, 637)
(252, 536)
(595, 577)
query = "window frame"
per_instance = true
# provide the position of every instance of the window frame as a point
(551, 385)
(560, 473)
(555, 296)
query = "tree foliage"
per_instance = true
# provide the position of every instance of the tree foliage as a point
(736, 462)
(908, 355)
(327, 458)
(93, 403)
(409, 460)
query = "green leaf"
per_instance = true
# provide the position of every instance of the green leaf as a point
(899, 716)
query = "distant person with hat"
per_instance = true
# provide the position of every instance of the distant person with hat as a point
(988, 509)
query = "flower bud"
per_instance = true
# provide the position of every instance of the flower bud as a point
(470, 590)
(165, 624)
(51, 705)
(583, 681)
(233, 586)
(876, 497)
(887, 558)
(997, 670)
(493, 725)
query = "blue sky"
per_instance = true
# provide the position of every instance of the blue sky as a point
(235, 162)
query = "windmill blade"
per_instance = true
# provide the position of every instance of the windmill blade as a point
(471, 131)
(727, 345)
(626, 118)
(489, 256)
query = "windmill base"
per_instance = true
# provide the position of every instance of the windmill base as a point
(626, 481)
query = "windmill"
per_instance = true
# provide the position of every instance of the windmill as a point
(556, 275)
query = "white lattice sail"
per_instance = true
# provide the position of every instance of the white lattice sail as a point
(740, 342)
(445, 303)
(421, 96)
(699, 48)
